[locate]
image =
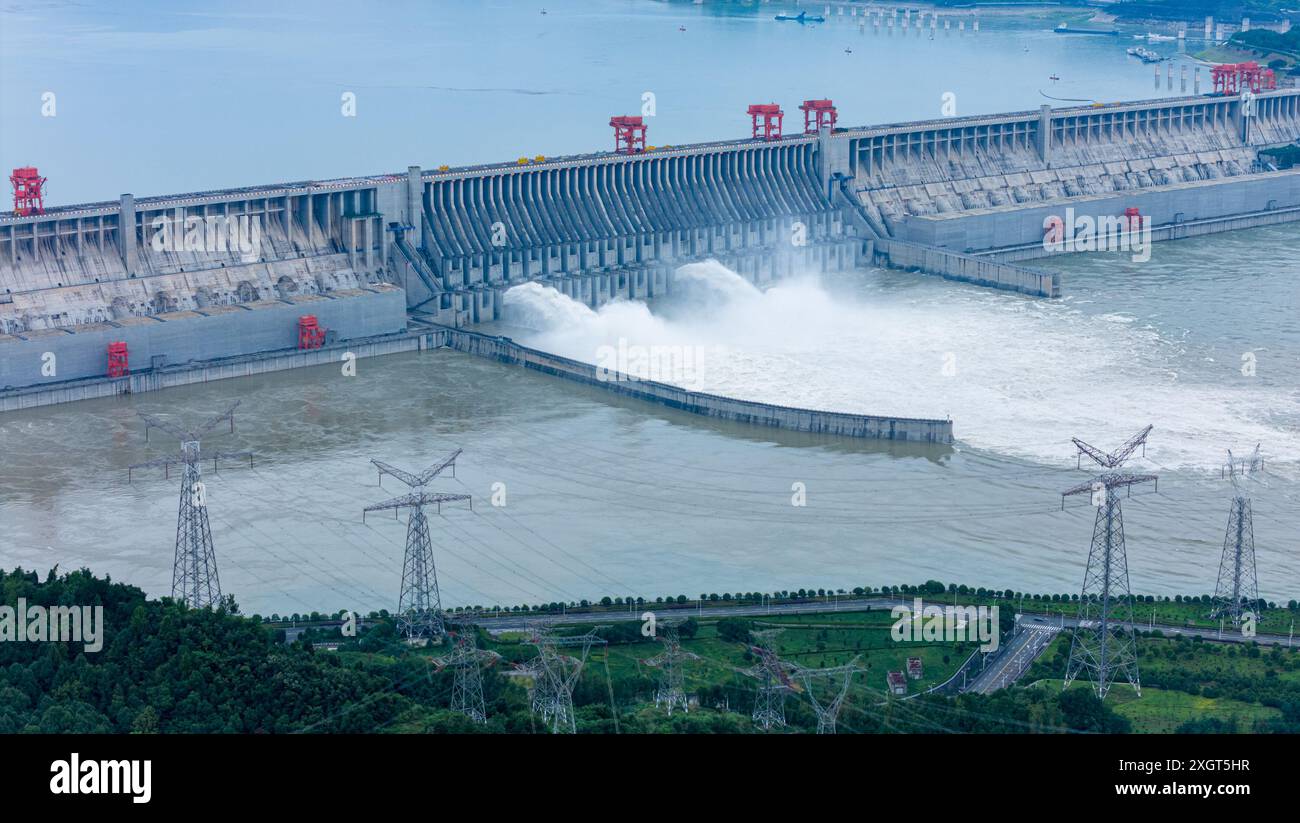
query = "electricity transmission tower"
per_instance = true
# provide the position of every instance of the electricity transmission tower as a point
(555, 675)
(194, 570)
(773, 675)
(1238, 587)
(466, 661)
(837, 680)
(671, 691)
(1105, 642)
(419, 605)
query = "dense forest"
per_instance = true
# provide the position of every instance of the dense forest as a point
(166, 668)
(1266, 40)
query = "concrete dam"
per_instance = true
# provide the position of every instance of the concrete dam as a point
(214, 284)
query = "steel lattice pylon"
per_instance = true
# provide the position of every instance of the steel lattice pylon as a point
(1237, 589)
(773, 675)
(194, 569)
(555, 675)
(466, 661)
(671, 691)
(1105, 640)
(419, 604)
(828, 706)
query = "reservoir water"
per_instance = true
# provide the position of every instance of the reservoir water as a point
(455, 83)
(606, 496)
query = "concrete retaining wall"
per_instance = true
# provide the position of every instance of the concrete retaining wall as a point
(840, 424)
(969, 269)
(81, 351)
(239, 366)
(1169, 231)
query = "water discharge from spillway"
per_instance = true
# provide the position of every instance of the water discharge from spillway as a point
(1018, 376)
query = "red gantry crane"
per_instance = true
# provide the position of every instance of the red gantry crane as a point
(818, 113)
(1233, 78)
(629, 134)
(771, 115)
(29, 191)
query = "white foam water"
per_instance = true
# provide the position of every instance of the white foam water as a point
(1018, 376)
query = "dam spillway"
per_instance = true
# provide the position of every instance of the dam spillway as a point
(957, 197)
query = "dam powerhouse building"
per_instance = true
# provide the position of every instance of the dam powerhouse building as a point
(136, 294)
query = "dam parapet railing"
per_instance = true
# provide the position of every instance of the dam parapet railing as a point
(813, 421)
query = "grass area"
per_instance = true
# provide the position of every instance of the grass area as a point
(1187, 680)
(1162, 711)
(877, 617)
(1231, 54)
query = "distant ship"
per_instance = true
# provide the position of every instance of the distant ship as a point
(1158, 37)
(801, 17)
(1066, 28)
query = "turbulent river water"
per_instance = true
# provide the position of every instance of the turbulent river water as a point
(607, 496)
(611, 496)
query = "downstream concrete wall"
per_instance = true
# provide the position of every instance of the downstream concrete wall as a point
(241, 366)
(1169, 231)
(969, 269)
(709, 405)
(1007, 226)
(192, 337)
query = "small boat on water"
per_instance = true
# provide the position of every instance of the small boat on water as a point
(801, 17)
(1145, 55)
(1156, 38)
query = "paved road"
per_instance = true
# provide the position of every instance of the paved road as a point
(1015, 659)
(1039, 631)
(1227, 635)
(514, 622)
